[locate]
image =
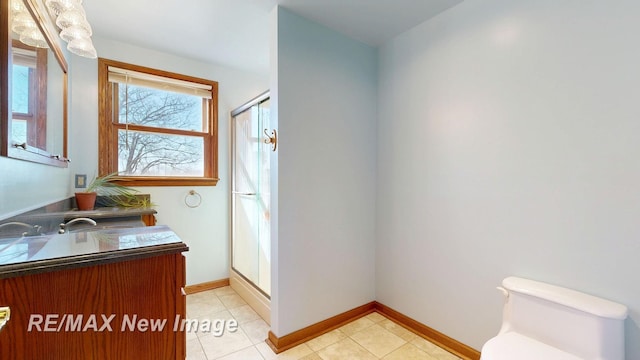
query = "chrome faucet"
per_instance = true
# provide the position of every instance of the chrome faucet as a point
(64, 226)
(33, 229)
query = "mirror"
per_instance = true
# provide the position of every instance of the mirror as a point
(33, 87)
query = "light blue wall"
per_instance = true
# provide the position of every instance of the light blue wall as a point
(508, 145)
(325, 98)
(25, 186)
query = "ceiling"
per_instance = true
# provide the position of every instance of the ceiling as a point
(236, 32)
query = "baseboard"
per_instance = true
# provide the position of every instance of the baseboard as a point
(258, 301)
(280, 344)
(459, 349)
(192, 289)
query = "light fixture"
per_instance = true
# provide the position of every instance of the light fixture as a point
(71, 19)
(33, 37)
(18, 7)
(83, 47)
(75, 32)
(21, 22)
(59, 6)
(25, 27)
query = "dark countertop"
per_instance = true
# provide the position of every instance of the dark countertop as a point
(37, 254)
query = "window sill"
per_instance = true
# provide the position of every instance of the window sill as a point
(37, 156)
(165, 181)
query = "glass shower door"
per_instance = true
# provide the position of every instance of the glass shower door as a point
(250, 233)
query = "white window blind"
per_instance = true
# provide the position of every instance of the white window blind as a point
(24, 57)
(136, 78)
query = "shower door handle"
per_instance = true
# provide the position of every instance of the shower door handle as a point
(243, 193)
(271, 139)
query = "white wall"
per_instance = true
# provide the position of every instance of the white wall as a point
(508, 145)
(204, 229)
(325, 99)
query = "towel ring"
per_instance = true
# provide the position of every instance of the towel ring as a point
(193, 199)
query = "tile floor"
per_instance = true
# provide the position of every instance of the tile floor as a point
(370, 337)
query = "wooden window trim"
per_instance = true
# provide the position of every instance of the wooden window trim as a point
(108, 131)
(36, 117)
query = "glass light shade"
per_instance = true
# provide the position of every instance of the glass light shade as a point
(33, 37)
(71, 17)
(22, 22)
(83, 47)
(17, 6)
(76, 32)
(60, 6)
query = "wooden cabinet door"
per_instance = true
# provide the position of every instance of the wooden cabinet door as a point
(131, 293)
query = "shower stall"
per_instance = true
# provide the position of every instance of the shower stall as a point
(251, 146)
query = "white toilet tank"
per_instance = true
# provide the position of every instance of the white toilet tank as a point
(556, 323)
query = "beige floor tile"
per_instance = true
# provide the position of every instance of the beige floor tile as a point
(408, 352)
(214, 319)
(355, 326)
(266, 351)
(204, 309)
(191, 335)
(295, 353)
(312, 356)
(377, 340)
(244, 314)
(250, 353)
(442, 354)
(256, 330)
(433, 350)
(218, 346)
(195, 351)
(325, 340)
(232, 301)
(225, 290)
(375, 317)
(199, 297)
(397, 330)
(346, 349)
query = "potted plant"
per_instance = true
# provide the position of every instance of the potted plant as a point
(118, 195)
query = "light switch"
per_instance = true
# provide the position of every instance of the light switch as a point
(81, 181)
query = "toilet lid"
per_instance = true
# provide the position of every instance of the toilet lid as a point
(511, 346)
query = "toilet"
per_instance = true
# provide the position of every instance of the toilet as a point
(542, 321)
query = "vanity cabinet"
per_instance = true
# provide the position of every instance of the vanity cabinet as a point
(117, 302)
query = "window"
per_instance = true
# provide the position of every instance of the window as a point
(29, 100)
(156, 127)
